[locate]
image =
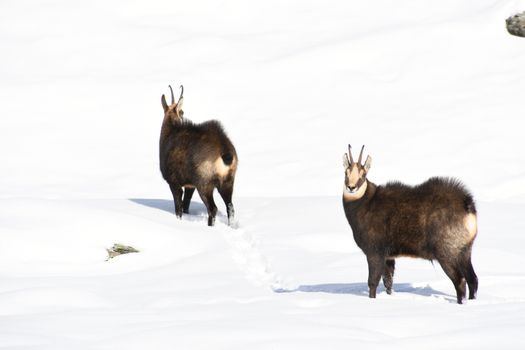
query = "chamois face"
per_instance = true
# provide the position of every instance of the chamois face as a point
(355, 176)
(174, 111)
(355, 172)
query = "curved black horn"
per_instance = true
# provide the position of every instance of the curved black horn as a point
(360, 155)
(172, 98)
(350, 154)
(181, 91)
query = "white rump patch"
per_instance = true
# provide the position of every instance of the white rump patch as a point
(208, 168)
(471, 224)
(220, 168)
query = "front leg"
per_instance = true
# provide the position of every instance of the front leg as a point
(376, 265)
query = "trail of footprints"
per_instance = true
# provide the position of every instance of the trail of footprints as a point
(247, 254)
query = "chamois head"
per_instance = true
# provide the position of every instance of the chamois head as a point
(355, 173)
(174, 111)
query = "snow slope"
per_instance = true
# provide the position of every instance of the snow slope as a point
(431, 88)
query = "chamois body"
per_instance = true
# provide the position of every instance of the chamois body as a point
(196, 156)
(435, 220)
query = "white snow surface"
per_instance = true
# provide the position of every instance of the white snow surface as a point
(431, 87)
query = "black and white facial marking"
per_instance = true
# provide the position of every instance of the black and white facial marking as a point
(355, 175)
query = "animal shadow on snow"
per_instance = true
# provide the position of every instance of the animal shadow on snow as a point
(361, 289)
(198, 211)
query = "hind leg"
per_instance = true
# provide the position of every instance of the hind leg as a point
(472, 281)
(388, 275)
(226, 192)
(468, 271)
(206, 195)
(188, 193)
(176, 191)
(453, 272)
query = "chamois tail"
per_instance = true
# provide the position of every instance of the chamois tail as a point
(227, 158)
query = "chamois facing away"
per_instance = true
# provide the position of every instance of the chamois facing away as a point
(196, 156)
(435, 220)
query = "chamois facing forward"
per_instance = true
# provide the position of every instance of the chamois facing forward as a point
(196, 156)
(435, 220)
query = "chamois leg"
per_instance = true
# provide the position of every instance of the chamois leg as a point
(472, 281)
(376, 265)
(468, 271)
(226, 191)
(188, 193)
(454, 273)
(176, 191)
(206, 195)
(388, 275)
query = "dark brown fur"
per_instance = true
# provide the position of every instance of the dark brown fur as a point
(425, 221)
(189, 156)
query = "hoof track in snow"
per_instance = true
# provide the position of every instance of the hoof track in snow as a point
(247, 255)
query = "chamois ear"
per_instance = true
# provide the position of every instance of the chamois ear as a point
(346, 164)
(368, 163)
(178, 108)
(164, 104)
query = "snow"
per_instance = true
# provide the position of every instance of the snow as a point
(431, 88)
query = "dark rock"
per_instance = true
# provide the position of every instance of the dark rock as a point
(516, 24)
